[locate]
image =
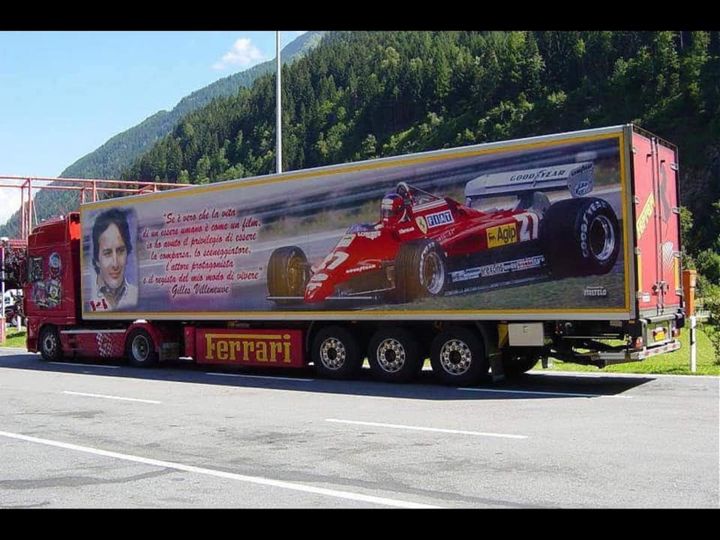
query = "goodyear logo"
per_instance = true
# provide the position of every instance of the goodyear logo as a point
(644, 217)
(502, 235)
(440, 218)
(248, 348)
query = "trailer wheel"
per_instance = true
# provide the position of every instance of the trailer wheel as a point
(50, 346)
(580, 237)
(287, 273)
(335, 353)
(458, 357)
(141, 349)
(394, 355)
(420, 270)
(517, 360)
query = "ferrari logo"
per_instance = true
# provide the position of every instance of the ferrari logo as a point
(422, 224)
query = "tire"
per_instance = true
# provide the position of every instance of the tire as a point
(394, 355)
(49, 344)
(458, 357)
(517, 361)
(335, 353)
(420, 271)
(580, 237)
(287, 273)
(140, 349)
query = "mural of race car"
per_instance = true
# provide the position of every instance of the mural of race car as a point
(425, 245)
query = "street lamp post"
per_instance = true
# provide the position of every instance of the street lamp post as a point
(3, 245)
(278, 108)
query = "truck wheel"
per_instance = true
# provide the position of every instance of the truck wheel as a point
(335, 353)
(458, 357)
(141, 349)
(394, 355)
(420, 270)
(50, 346)
(580, 237)
(287, 272)
(517, 361)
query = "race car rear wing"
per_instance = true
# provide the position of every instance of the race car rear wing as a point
(576, 177)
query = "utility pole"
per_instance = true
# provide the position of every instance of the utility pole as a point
(278, 112)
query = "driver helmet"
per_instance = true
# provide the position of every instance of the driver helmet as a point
(392, 208)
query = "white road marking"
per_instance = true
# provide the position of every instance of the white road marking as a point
(417, 428)
(111, 397)
(533, 392)
(258, 377)
(222, 474)
(83, 365)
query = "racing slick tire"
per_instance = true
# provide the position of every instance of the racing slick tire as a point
(580, 237)
(287, 273)
(336, 353)
(458, 357)
(420, 271)
(394, 355)
(49, 344)
(140, 349)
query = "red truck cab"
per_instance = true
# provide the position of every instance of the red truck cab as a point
(52, 290)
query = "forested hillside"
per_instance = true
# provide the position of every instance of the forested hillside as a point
(119, 152)
(370, 94)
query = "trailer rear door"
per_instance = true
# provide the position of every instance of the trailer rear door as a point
(657, 225)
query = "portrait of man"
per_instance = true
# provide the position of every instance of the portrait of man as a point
(112, 248)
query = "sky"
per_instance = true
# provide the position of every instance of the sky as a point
(65, 93)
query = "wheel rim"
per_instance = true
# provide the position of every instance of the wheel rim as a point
(455, 357)
(432, 272)
(140, 348)
(295, 275)
(602, 238)
(391, 355)
(49, 344)
(333, 353)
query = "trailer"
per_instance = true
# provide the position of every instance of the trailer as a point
(485, 258)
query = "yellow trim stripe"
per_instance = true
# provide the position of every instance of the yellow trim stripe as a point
(624, 194)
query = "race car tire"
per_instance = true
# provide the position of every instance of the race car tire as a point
(49, 344)
(420, 270)
(394, 355)
(458, 358)
(287, 273)
(140, 349)
(336, 353)
(518, 361)
(580, 237)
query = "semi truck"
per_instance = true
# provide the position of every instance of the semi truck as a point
(487, 259)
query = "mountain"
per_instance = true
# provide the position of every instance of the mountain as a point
(121, 150)
(373, 94)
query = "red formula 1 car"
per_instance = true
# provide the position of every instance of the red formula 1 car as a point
(425, 245)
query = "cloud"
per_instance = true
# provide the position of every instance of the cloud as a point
(242, 54)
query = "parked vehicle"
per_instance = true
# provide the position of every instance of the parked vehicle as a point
(486, 257)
